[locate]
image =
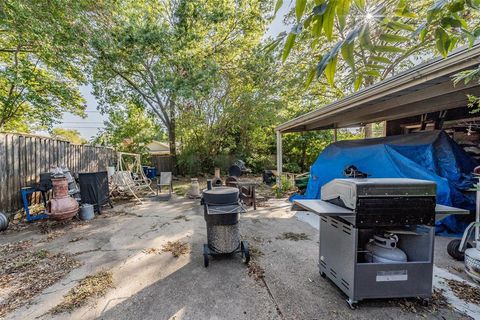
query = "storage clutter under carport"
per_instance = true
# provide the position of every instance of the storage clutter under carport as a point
(222, 211)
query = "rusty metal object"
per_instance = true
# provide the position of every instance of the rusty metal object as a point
(231, 181)
(62, 206)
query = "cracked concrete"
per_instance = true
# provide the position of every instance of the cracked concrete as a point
(159, 286)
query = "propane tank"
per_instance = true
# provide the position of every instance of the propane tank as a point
(383, 249)
(194, 191)
(3, 221)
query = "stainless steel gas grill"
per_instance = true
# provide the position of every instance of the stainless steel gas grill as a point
(377, 236)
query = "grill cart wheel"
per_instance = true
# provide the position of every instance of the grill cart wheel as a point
(206, 252)
(245, 251)
(425, 302)
(323, 275)
(453, 250)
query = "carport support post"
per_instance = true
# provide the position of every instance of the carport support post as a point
(279, 158)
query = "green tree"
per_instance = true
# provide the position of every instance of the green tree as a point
(41, 45)
(167, 55)
(129, 129)
(366, 41)
(70, 135)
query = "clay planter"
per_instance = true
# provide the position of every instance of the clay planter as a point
(62, 206)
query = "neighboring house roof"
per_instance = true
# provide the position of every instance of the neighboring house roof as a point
(425, 88)
(158, 148)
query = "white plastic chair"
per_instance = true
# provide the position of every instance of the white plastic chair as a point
(165, 180)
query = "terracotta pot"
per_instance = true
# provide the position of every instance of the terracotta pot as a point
(60, 187)
(62, 206)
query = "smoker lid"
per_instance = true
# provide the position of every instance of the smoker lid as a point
(221, 191)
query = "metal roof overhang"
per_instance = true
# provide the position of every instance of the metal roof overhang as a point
(425, 88)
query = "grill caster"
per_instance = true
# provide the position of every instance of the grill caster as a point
(322, 274)
(206, 252)
(352, 304)
(424, 302)
(245, 251)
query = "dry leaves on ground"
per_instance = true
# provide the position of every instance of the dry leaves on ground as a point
(255, 252)
(255, 271)
(293, 236)
(25, 272)
(177, 248)
(437, 302)
(184, 217)
(464, 291)
(151, 251)
(92, 286)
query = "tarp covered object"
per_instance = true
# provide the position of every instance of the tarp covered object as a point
(429, 155)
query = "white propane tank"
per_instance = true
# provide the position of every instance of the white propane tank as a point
(194, 191)
(383, 249)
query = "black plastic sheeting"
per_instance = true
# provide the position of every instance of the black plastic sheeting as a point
(94, 189)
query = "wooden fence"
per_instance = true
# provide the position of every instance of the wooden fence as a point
(162, 163)
(24, 157)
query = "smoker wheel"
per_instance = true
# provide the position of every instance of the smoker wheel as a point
(245, 251)
(453, 250)
(206, 252)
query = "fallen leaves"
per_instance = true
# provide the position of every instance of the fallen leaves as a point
(151, 251)
(464, 291)
(437, 302)
(255, 271)
(91, 286)
(177, 248)
(181, 217)
(25, 272)
(293, 236)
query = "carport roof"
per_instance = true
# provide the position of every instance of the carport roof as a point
(423, 89)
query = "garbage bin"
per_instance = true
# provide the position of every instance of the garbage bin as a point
(222, 214)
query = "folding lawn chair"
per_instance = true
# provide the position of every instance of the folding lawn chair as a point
(165, 180)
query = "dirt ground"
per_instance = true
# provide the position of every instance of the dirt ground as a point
(133, 243)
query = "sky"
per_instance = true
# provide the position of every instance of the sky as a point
(90, 126)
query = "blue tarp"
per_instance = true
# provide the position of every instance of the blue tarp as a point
(425, 155)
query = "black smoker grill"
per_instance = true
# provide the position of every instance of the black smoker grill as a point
(222, 212)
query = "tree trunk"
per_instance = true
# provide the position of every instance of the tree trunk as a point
(172, 136)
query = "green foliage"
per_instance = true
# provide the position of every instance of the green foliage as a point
(286, 185)
(70, 135)
(377, 38)
(129, 129)
(169, 57)
(40, 45)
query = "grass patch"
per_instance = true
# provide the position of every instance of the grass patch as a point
(293, 236)
(177, 248)
(25, 272)
(90, 287)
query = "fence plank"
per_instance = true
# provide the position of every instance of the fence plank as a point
(24, 157)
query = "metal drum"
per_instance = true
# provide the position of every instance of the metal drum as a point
(222, 213)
